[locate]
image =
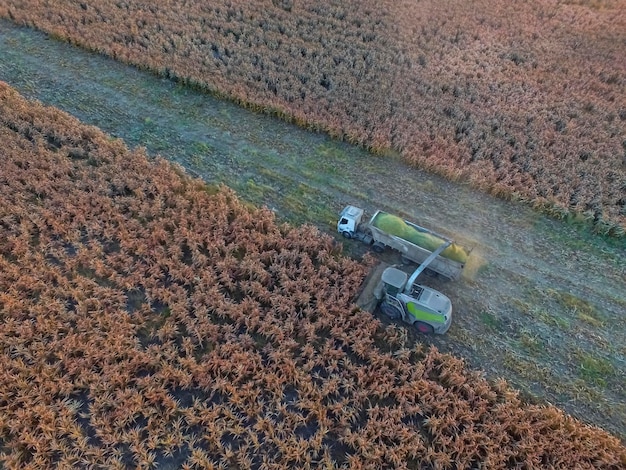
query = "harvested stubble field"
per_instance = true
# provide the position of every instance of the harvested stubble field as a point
(523, 99)
(148, 319)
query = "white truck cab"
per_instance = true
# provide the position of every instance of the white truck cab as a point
(349, 220)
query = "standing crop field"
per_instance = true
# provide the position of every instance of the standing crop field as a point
(523, 99)
(148, 319)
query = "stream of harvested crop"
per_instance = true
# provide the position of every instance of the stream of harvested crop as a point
(542, 304)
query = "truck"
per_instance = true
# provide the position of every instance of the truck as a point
(392, 289)
(413, 242)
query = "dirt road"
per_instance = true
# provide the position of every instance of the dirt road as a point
(543, 303)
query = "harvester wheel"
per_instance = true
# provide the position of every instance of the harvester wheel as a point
(424, 327)
(391, 311)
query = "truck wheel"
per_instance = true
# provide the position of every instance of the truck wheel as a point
(378, 248)
(389, 310)
(424, 328)
(346, 234)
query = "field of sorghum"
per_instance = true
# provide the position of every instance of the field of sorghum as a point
(147, 319)
(523, 99)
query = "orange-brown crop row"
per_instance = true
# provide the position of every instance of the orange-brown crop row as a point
(523, 99)
(147, 319)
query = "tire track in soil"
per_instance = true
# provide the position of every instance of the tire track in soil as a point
(522, 260)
